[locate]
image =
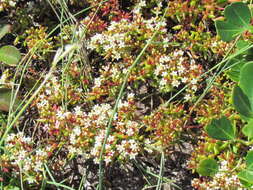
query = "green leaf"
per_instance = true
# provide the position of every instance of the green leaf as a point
(249, 160)
(247, 130)
(246, 78)
(236, 63)
(221, 129)
(241, 102)
(234, 72)
(10, 55)
(10, 187)
(208, 167)
(237, 21)
(246, 176)
(4, 30)
(5, 100)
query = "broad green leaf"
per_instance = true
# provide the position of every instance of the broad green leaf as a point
(249, 160)
(5, 99)
(221, 129)
(247, 130)
(234, 72)
(241, 102)
(242, 44)
(246, 176)
(10, 55)
(246, 78)
(236, 63)
(237, 21)
(208, 167)
(4, 30)
(247, 55)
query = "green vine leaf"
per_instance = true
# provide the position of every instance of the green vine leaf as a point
(241, 102)
(238, 17)
(234, 72)
(246, 78)
(235, 64)
(221, 129)
(5, 100)
(10, 55)
(247, 130)
(246, 176)
(208, 167)
(4, 30)
(249, 160)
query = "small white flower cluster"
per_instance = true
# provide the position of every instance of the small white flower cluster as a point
(128, 148)
(221, 181)
(7, 3)
(139, 6)
(116, 42)
(109, 152)
(111, 42)
(102, 113)
(21, 154)
(176, 69)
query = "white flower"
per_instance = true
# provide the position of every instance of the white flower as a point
(77, 131)
(181, 69)
(193, 66)
(30, 180)
(175, 83)
(163, 82)
(130, 96)
(43, 103)
(179, 52)
(40, 152)
(132, 155)
(48, 91)
(164, 74)
(187, 97)
(174, 73)
(10, 137)
(72, 150)
(164, 59)
(111, 139)
(134, 146)
(60, 114)
(184, 79)
(194, 88)
(12, 3)
(194, 81)
(72, 138)
(38, 166)
(120, 148)
(68, 47)
(107, 160)
(78, 110)
(123, 104)
(142, 3)
(97, 82)
(130, 132)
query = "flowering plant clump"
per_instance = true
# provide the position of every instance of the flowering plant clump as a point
(7, 4)
(137, 84)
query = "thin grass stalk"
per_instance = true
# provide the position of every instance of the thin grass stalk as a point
(117, 102)
(116, 108)
(59, 185)
(57, 58)
(50, 175)
(215, 75)
(209, 71)
(160, 179)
